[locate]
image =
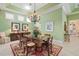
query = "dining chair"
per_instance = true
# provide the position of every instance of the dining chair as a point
(30, 47)
(27, 44)
(48, 44)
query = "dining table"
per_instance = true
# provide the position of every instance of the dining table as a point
(35, 41)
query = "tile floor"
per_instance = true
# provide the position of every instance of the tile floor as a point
(5, 49)
(71, 48)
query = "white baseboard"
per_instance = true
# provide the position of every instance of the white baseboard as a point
(58, 42)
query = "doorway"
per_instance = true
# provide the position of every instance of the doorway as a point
(73, 29)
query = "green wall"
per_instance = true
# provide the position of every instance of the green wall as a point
(73, 17)
(3, 22)
(56, 18)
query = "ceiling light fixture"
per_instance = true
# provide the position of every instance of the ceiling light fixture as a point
(34, 17)
(27, 7)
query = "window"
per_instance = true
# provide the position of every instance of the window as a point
(21, 18)
(9, 16)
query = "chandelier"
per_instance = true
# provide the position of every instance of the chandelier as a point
(34, 17)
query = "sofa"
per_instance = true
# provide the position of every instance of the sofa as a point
(4, 38)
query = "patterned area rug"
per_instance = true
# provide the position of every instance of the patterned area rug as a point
(17, 51)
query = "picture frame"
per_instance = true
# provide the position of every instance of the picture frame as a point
(24, 27)
(15, 26)
(49, 26)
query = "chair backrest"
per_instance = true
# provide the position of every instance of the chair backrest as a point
(50, 39)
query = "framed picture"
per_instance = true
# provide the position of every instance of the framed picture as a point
(15, 26)
(24, 27)
(49, 26)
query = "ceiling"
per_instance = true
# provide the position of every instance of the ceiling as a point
(40, 7)
(20, 7)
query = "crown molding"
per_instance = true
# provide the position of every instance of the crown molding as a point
(13, 11)
(52, 9)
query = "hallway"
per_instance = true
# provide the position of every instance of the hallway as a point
(71, 48)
